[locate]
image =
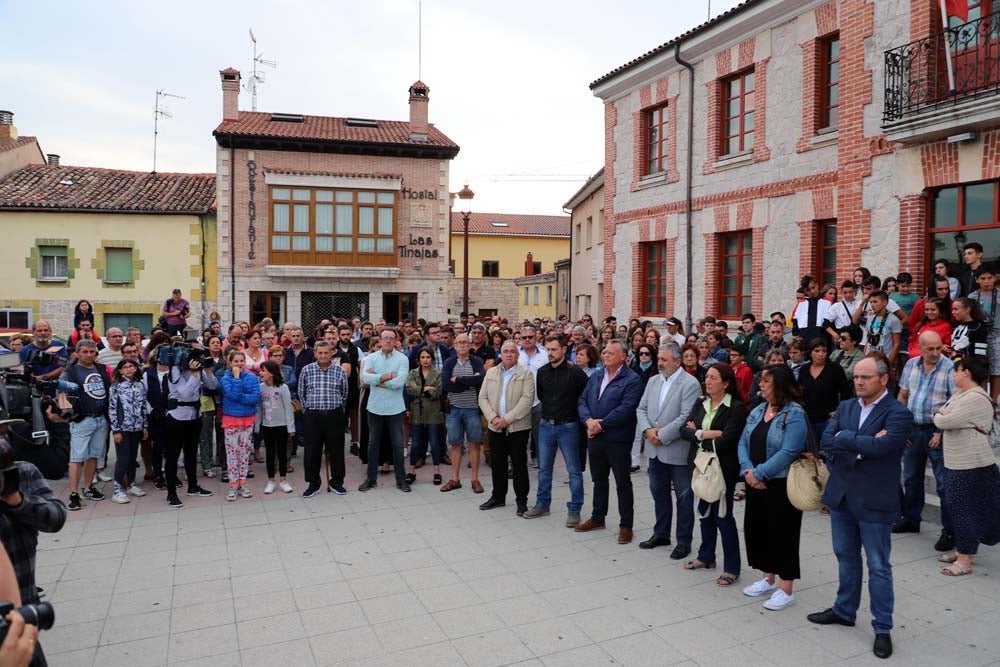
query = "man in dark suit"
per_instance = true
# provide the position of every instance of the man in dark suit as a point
(432, 340)
(864, 444)
(608, 411)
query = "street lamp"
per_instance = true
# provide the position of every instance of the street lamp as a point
(465, 196)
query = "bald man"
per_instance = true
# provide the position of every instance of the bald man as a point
(925, 384)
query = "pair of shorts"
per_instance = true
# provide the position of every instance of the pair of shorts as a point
(87, 439)
(463, 425)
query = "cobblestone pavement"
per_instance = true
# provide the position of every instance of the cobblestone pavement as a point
(425, 578)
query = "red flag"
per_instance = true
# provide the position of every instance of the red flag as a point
(957, 8)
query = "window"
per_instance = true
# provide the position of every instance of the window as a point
(118, 265)
(536, 295)
(536, 268)
(654, 290)
(491, 268)
(826, 253)
(54, 262)
(333, 227)
(267, 304)
(141, 321)
(737, 113)
(526, 296)
(579, 236)
(451, 266)
(829, 82)
(548, 295)
(600, 226)
(656, 140)
(590, 232)
(963, 214)
(15, 318)
(736, 283)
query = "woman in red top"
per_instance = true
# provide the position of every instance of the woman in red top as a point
(938, 289)
(932, 320)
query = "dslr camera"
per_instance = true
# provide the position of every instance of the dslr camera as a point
(41, 615)
(180, 355)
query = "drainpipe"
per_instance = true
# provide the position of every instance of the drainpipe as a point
(569, 276)
(203, 273)
(232, 231)
(688, 187)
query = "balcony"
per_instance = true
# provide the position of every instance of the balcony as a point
(921, 104)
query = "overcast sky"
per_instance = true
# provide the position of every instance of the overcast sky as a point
(509, 80)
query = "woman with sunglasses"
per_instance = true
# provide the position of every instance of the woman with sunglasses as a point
(645, 366)
(849, 354)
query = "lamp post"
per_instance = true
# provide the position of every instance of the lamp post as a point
(465, 196)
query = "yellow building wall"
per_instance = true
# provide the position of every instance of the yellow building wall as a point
(511, 251)
(166, 254)
(545, 308)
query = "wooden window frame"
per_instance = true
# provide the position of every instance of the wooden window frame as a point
(724, 99)
(824, 107)
(268, 296)
(743, 302)
(659, 276)
(654, 150)
(821, 268)
(43, 255)
(536, 268)
(314, 257)
(930, 230)
(490, 268)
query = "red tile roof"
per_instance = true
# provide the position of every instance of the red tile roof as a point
(516, 224)
(329, 129)
(10, 144)
(67, 188)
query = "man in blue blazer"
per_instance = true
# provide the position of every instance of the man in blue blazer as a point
(607, 410)
(864, 444)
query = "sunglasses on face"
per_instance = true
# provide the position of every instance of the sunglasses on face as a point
(645, 354)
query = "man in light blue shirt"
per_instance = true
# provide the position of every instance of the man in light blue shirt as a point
(385, 374)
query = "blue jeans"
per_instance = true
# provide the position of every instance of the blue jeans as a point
(914, 467)
(565, 438)
(378, 426)
(712, 526)
(420, 435)
(849, 535)
(660, 477)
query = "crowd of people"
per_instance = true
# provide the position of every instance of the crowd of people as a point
(871, 376)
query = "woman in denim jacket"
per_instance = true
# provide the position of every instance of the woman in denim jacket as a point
(774, 436)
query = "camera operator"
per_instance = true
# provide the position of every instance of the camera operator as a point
(176, 310)
(184, 423)
(42, 342)
(89, 428)
(21, 642)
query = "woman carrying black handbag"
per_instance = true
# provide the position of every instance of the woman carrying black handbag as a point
(715, 424)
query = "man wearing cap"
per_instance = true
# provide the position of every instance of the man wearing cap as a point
(673, 333)
(176, 309)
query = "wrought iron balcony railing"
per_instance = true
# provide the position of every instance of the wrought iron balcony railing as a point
(916, 74)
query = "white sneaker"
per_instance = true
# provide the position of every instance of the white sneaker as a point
(136, 490)
(104, 477)
(285, 486)
(779, 600)
(269, 488)
(759, 588)
(120, 497)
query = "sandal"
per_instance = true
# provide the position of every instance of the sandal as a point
(410, 478)
(289, 467)
(477, 486)
(451, 485)
(957, 569)
(949, 557)
(726, 580)
(258, 458)
(437, 479)
(739, 495)
(698, 565)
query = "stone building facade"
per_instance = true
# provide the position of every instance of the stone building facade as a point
(324, 215)
(813, 151)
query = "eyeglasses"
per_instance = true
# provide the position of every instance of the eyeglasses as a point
(645, 354)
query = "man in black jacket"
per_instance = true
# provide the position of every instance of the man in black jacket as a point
(560, 385)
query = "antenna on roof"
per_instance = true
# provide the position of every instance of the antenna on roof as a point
(257, 77)
(160, 112)
(420, 39)
(709, 10)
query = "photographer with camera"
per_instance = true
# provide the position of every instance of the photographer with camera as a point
(175, 313)
(89, 428)
(49, 364)
(183, 387)
(20, 639)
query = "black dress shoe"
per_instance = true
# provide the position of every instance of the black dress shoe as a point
(654, 542)
(680, 551)
(905, 526)
(883, 646)
(945, 541)
(829, 617)
(522, 508)
(492, 504)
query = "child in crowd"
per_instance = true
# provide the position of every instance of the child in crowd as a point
(988, 297)
(276, 421)
(240, 395)
(129, 421)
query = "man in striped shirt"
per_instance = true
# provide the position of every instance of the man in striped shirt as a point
(323, 392)
(463, 376)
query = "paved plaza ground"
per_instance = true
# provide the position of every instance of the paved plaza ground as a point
(426, 578)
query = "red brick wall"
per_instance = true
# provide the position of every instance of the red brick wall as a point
(939, 162)
(610, 219)
(991, 154)
(713, 89)
(912, 240)
(641, 128)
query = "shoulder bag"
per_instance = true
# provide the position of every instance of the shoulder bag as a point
(807, 477)
(707, 482)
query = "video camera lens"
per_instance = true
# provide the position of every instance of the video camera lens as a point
(41, 615)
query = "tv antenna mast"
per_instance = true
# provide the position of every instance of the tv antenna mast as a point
(158, 113)
(257, 77)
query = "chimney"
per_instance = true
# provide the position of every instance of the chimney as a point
(230, 94)
(419, 96)
(52, 159)
(529, 265)
(7, 129)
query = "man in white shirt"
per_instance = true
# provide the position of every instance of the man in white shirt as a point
(840, 316)
(532, 356)
(672, 333)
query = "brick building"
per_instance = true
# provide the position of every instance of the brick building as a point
(321, 215)
(825, 136)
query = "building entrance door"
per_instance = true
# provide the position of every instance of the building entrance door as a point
(318, 306)
(397, 307)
